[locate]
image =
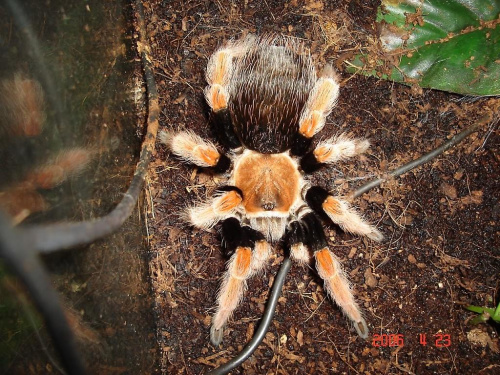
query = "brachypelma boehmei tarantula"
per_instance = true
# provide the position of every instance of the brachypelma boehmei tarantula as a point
(267, 105)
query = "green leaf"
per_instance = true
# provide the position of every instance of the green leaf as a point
(422, 21)
(478, 320)
(475, 309)
(451, 45)
(496, 314)
(485, 313)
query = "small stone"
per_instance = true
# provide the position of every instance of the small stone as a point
(370, 280)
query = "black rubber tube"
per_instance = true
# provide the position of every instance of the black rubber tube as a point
(18, 253)
(421, 160)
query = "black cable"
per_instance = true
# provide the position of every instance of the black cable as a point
(421, 160)
(17, 251)
(285, 267)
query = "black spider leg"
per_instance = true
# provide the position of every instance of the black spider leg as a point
(315, 196)
(315, 233)
(217, 118)
(223, 164)
(222, 126)
(309, 163)
(338, 212)
(301, 145)
(225, 188)
(294, 235)
(308, 231)
(316, 238)
(235, 235)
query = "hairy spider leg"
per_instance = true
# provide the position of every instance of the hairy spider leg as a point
(220, 207)
(222, 125)
(250, 253)
(191, 148)
(333, 150)
(260, 255)
(309, 231)
(67, 163)
(321, 100)
(341, 213)
(339, 288)
(231, 292)
(220, 70)
(296, 243)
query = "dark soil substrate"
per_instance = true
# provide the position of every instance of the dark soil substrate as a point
(440, 220)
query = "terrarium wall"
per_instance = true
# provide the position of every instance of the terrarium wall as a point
(71, 98)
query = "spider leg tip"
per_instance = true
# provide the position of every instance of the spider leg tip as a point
(361, 328)
(165, 137)
(216, 335)
(376, 235)
(329, 72)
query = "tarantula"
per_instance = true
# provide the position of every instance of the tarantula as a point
(267, 104)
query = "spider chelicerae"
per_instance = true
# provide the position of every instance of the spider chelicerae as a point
(267, 104)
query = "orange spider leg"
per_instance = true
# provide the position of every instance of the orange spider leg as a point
(260, 256)
(23, 105)
(243, 264)
(191, 148)
(319, 104)
(207, 214)
(67, 163)
(308, 231)
(342, 214)
(338, 288)
(219, 71)
(339, 148)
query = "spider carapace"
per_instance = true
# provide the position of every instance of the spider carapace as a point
(267, 104)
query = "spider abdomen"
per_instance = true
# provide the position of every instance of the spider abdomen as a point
(269, 87)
